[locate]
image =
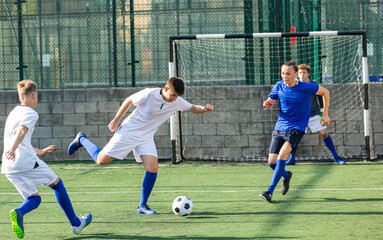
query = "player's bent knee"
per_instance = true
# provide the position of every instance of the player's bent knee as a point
(323, 135)
(101, 162)
(272, 162)
(55, 182)
(153, 169)
(103, 159)
(273, 158)
(150, 162)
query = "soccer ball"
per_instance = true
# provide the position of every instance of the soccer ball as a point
(182, 206)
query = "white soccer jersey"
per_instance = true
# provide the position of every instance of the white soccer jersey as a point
(151, 111)
(26, 156)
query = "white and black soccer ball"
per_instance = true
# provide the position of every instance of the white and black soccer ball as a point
(182, 206)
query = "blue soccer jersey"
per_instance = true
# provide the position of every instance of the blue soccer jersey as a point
(294, 104)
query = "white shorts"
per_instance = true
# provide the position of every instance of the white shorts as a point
(315, 124)
(28, 182)
(121, 145)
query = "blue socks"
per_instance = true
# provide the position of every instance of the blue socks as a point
(272, 166)
(292, 155)
(33, 202)
(330, 145)
(65, 203)
(92, 148)
(278, 173)
(147, 186)
(29, 204)
(285, 174)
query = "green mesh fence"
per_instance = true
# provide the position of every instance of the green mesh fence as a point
(120, 43)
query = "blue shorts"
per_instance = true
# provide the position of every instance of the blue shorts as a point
(293, 136)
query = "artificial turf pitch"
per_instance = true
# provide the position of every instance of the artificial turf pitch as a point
(325, 201)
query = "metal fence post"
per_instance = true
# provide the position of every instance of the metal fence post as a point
(20, 40)
(249, 54)
(132, 47)
(59, 42)
(115, 43)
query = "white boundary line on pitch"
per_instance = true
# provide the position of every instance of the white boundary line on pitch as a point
(100, 167)
(138, 165)
(201, 191)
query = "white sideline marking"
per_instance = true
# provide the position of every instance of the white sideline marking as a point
(206, 191)
(187, 165)
(241, 164)
(100, 167)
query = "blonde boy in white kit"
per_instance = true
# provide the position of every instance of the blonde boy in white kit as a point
(153, 107)
(24, 169)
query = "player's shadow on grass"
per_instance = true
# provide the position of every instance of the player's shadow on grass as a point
(206, 187)
(354, 200)
(278, 213)
(119, 236)
(322, 200)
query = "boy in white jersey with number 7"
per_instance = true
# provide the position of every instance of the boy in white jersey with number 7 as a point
(153, 107)
(24, 169)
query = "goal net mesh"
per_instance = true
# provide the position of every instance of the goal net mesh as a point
(236, 75)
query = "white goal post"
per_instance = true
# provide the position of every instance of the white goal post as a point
(363, 76)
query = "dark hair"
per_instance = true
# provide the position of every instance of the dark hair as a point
(291, 64)
(177, 84)
(304, 67)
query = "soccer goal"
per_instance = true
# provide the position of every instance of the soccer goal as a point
(235, 73)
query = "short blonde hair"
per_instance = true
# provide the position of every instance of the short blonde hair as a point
(26, 87)
(304, 67)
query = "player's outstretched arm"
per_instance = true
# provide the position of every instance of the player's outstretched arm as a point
(326, 103)
(113, 125)
(269, 103)
(46, 150)
(201, 109)
(11, 153)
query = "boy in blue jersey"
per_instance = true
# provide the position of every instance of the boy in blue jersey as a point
(295, 107)
(315, 124)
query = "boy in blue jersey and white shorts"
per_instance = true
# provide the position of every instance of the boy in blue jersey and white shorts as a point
(24, 169)
(315, 124)
(153, 107)
(295, 107)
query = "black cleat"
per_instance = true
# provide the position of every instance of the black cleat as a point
(75, 144)
(286, 183)
(266, 196)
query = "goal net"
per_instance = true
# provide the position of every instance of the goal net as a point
(236, 74)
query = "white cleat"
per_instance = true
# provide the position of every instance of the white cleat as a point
(85, 220)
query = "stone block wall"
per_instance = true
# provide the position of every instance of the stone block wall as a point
(239, 126)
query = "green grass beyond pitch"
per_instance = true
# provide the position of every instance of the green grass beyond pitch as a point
(326, 201)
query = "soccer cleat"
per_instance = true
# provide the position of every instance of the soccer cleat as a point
(75, 144)
(266, 196)
(17, 222)
(85, 221)
(340, 161)
(286, 183)
(290, 162)
(145, 209)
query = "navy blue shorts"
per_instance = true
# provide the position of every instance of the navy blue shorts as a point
(293, 136)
